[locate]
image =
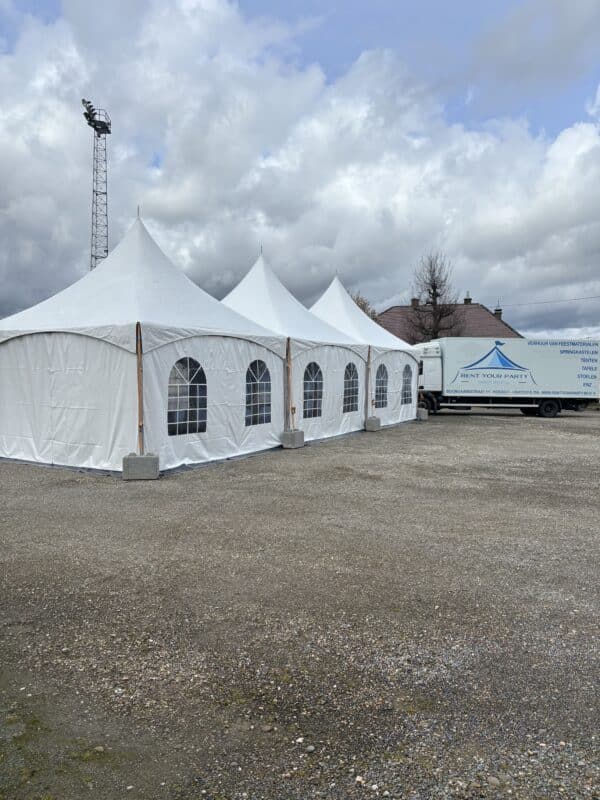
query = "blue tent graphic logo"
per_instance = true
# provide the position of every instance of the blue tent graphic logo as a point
(493, 367)
(496, 359)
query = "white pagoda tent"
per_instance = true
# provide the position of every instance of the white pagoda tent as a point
(135, 357)
(393, 363)
(327, 367)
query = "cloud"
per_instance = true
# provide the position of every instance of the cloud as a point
(593, 106)
(541, 42)
(227, 143)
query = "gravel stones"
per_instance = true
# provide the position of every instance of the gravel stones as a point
(406, 617)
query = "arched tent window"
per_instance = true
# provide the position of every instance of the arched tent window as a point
(187, 398)
(407, 385)
(350, 388)
(313, 391)
(381, 387)
(258, 394)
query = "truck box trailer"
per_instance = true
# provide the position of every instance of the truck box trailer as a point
(539, 376)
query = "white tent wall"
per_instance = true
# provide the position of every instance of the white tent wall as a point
(261, 297)
(332, 361)
(69, 387)
(67, 399)
(225, 361)
(395, 362)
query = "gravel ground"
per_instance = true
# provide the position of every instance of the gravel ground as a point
(407, 614)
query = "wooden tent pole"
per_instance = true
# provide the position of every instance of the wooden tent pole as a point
(367, 388)
(289, 406)
(140, 386)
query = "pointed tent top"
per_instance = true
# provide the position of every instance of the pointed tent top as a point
(337, 307)
(261, 296)
(136, 282)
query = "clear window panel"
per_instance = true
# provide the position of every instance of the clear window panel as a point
(407, 385)
(258, 394)
(186, 405)
(381, 387)
(313, 391)
(350, 389)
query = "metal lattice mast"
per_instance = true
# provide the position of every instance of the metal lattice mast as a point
(100, 123)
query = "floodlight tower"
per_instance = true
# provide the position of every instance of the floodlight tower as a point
(99, 122)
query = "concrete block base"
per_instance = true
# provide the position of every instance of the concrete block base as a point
(290, 440)
(140, 468)
(373, 424)
(422, 414)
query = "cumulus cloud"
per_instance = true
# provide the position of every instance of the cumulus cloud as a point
(593, 106)
(227, 143)
(540, 42)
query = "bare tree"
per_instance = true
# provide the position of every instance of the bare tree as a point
(434, 310)
(364, 305)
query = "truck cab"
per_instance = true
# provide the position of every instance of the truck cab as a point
(430, 374)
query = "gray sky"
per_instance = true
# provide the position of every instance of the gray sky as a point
(352, 141)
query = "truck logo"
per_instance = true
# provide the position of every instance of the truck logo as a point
(494, 365)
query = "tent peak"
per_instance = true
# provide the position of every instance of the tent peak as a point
(336, 285)
(261, 261)
(260, 295)
(136, 282)
(337, 307)
(262, 270)
(139, 247)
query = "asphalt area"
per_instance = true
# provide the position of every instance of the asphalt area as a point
(412, 613)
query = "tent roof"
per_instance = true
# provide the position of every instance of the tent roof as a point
(136, 283)
(260, 295)
(336, 307)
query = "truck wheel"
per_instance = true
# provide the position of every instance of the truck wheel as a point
(549, 408)
(580, 406)
(529, 412)
(429, 402)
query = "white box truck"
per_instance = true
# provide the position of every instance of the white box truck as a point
(538, 376)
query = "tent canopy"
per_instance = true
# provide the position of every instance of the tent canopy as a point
(137, 283)
(337, 307)
(260, 295)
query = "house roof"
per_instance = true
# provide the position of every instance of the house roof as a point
(477, 320)
(136, 283)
